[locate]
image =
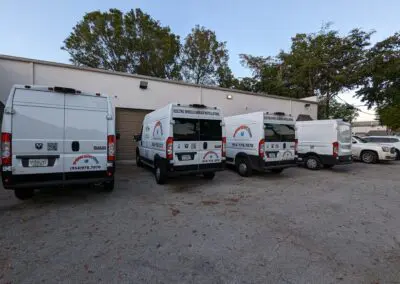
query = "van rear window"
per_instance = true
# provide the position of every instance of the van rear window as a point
(279, 133)
(186, 129)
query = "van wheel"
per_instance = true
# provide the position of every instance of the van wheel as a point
(209, 175)
(24, 194)
(138, 160)
(397, 154)
(277, 171)
(369, 157)
(109, 186)
(312, 163)
(160, 172)
(243, 167)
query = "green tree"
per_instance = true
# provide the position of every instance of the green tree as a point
(337, 111)
(381, 86)
(325, 64)
(132, 42)
(204, 58)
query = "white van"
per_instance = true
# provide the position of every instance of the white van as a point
(182, 139)
(323, 143)
(260, 141)
(55, 136)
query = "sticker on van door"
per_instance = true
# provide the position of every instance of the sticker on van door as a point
(243, 131)
(211, 157)
(85, 162)
(158, 130)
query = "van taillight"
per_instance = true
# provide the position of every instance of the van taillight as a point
(6, 149)
(223, 146)
(296, 146)
(261, 148)
(335, 149)
(110, 148)
(169, 149)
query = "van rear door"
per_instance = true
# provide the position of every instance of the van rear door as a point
(344, 139)
(210, 144)
(85, 146)
(279, 143)
(37, 134)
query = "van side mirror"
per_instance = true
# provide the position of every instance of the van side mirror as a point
(137, 137)
(354, 142)
(118, 135)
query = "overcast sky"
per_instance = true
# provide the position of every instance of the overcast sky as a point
(36, 29)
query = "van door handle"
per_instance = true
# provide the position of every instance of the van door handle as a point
(205, 145)
(75, 146)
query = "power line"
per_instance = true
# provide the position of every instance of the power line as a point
(356, 107)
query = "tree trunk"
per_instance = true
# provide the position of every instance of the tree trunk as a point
(327, 109)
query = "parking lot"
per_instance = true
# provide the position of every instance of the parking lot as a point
(340, 225)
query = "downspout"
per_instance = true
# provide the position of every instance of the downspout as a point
(33, 72)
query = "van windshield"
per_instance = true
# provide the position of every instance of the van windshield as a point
(279, 132)
(186, 129)
(344, 133)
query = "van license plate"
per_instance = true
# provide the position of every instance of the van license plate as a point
(33, 163)
(271, 155)
(186, 157)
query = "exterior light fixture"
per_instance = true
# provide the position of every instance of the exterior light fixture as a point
(143, 85)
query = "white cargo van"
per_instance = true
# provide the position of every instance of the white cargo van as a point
(182, 139)
(260, 141)
(323, 143)
(55, 136)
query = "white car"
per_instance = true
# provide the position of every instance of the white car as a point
(388, 140)
(371, 153)
(56, 136)
(182, 139)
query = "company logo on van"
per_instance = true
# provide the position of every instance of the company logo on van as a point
(157, 130)
(86, 158)
(210, 155)
(243, 131)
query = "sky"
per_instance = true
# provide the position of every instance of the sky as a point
(37, 29)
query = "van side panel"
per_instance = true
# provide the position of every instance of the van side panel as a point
(85, 146)
(37, 131)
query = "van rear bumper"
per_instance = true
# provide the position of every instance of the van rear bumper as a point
(195, 169)
(11, 181)
(330, 160)
(260, 165)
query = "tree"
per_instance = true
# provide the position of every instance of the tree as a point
(381, 86)
(131, 42)
(325, 64)
(337, 111)
(204, 58)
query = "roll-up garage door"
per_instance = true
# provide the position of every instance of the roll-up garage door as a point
(128, 123)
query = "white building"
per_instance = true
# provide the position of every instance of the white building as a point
(135, 95)
(373, 127)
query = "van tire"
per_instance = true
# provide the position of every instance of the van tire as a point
(277, 171)
(312, 163)
(108, 186)
(24, 194)
(160, 172)
(209, 175)
(243, 166)
(138, 160)
(369, 157)
(397, 154)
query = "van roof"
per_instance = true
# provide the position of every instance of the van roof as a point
(323, 121)
(57, 89)
(200, 106)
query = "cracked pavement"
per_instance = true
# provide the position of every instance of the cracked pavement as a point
(331, 226)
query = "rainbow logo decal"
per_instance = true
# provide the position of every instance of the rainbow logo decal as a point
(243, 131)
(157, 130)
(210, 155)
(86, 159)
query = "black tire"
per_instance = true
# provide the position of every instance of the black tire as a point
(24, 194)
(209, 175)
(138, 160)
(243, 167)
(328, 166)
(369, 157)
(108, 186)
(397, 154)
(312, 163)
(277, 171)
(160, 172)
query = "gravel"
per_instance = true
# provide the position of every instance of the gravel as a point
(329, 226)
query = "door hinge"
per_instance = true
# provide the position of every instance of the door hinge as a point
(109, 117)
(9, 110)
